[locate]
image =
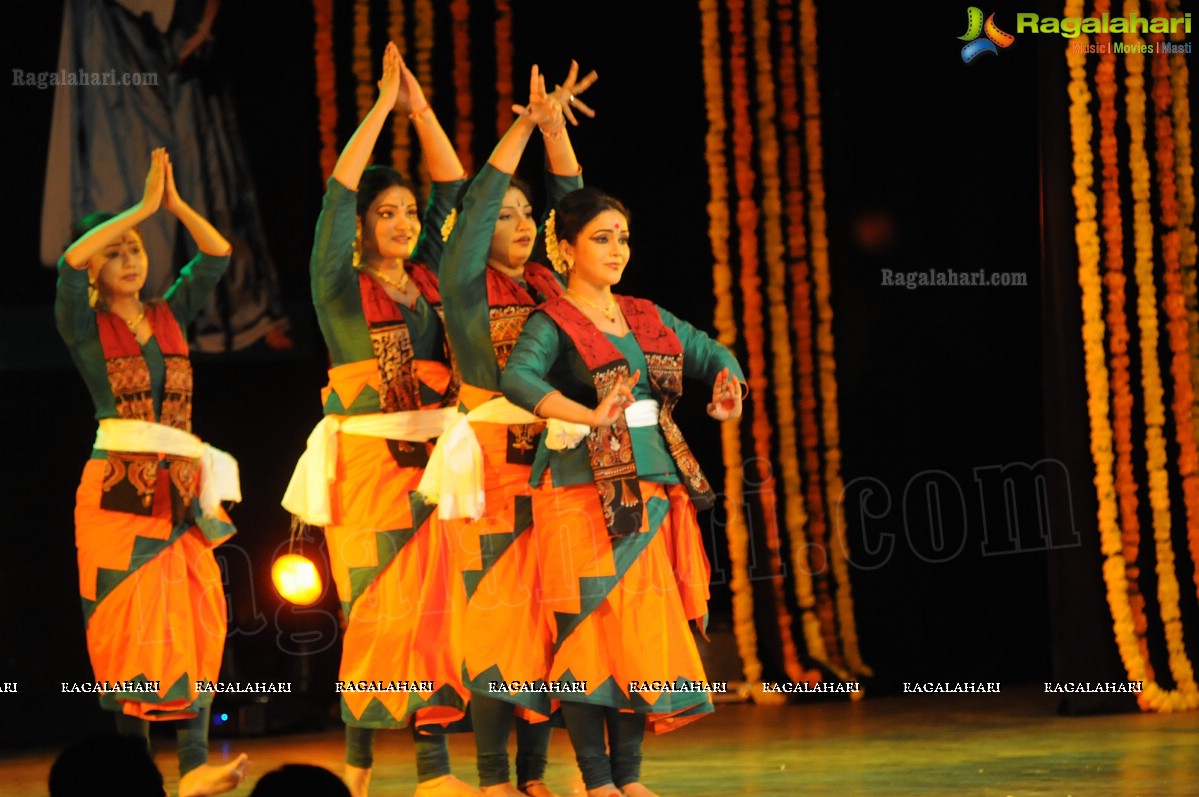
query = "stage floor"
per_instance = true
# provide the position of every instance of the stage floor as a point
(1010, 744)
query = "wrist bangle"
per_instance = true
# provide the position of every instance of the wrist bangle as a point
(555, 133)
(419, 111)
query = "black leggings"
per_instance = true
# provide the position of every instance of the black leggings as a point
(620, 762)
(191, 737)
(432, 751)
(492, 720)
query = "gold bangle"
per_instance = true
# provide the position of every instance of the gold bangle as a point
(417, 113)
(555, 134)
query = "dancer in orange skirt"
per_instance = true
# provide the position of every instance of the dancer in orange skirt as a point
(622, 565)
(490, 287)
(390, 391)
(147, 512)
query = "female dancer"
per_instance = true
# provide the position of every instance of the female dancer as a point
(490, 288)
(390, 369)
(147, 512)
(622, 564)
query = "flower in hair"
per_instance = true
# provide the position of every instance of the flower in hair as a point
(447, 226)
(551, 244)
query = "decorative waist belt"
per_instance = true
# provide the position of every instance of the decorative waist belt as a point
(307, 495)
(219, 477)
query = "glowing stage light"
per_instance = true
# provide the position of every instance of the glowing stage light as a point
(297, 579)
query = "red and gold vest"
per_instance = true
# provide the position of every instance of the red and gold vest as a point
(130, 479)
(611, 447)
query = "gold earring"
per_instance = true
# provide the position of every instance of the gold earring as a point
(358, 245)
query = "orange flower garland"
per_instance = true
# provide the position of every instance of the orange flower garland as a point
(1086, 236)
(1151, 385)
(503, 66)
(795, 519)
(365, 92)
(423, 68)
(834, 488)
(464, 127)
(1122, 403)
(401, 146)
(326, 86)
(751, 317)
(744, 629)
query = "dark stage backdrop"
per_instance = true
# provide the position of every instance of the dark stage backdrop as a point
(929, 164)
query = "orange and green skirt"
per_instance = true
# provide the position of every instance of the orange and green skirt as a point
(503, 632)
(394, 575)
(618, 609)
(153, 599)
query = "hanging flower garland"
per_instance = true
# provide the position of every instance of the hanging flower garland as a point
(795, 519)
(401, 145)
(503, 66)
(1153, 695)
(464, 126)
(1151, 384)
(365, 92)
(424, 35)
(744, 629)
(834, 487)
(753, 325)
(808, 559)
(1122, 403)
(326, 85)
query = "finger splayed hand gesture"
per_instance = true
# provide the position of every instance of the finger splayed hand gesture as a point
(567, 93)
(543, 109)
(726, 397)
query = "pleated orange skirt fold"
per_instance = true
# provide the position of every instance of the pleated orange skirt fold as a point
(401, 653)
(153, 601)
(505, 640)
(618, 608)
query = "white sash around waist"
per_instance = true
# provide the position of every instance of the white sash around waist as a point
(454, 476)
(307, 495)
(219, 477)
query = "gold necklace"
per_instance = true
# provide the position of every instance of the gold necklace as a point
(133, 324)
(609, 311)
(401, 286)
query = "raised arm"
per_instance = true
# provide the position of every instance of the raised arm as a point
(207, 238)
(443, 162)
(89, 244)
(357, 153)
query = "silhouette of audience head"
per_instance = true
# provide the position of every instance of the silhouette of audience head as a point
(292, 779)
(106, 765)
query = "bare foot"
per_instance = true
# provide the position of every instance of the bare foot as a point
(207, 779)
(537, 788)
(636, 790)
(445, 786)
(607, 790)
(358, 780)
(501, 790)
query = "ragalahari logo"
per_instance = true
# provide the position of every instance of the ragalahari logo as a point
(995, 38)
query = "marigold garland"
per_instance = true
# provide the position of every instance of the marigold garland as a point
(503, 66)
(326, 86)
(1087, 239)
(744, 630)
(753, 324)
(1119, 336)
(401, 145)
(1151, 384)
(464, 126)
(365, 92)
(801, 322)
(821, 647)
(424, 34)
(834, 488)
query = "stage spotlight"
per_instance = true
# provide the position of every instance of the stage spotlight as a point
(296, 579)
